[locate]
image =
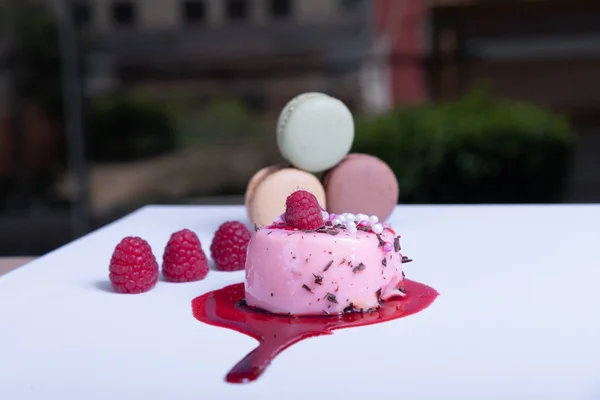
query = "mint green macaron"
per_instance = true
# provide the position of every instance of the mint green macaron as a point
(315, 131)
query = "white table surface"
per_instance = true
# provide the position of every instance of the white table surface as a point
(518, 317)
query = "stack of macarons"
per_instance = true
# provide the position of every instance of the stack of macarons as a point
(315, 133)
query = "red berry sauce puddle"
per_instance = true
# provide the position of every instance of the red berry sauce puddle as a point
(225, 308)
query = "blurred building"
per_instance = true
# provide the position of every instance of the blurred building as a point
(263, 51)
(401, 32)
(546, 52)
(537, 51)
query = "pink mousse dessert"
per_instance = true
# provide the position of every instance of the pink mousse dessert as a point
(351, 263)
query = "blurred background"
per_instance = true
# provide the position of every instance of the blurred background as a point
(108, 105)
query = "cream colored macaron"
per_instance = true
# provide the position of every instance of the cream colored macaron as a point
(315, 131)
(269, 188)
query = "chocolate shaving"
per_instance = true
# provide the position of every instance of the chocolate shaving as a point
(397, 244)
(378, 294)
(349, 309)
(269, 233)
(305, 287)
(332, 232)
(343, 261)
(384, 262)
(381, 242)
(331, 297)
(406, 260)
(358, 268)
(307, 231)
(403, 275)
(318, 279)
(402, 289)
(256, 228)
(363, 228)
(327, 266)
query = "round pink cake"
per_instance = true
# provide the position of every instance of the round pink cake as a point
(351, 264)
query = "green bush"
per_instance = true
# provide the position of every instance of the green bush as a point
(123, 127)
(222, 121)
(473, 150)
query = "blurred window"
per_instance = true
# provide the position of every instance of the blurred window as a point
(123, 13)
(281, 8)
(194, 11)
(82, 14)
(237, 9)
(350, 4)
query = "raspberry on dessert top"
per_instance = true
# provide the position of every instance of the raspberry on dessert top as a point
(302, 211)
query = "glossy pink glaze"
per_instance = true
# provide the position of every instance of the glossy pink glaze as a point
(315, 273)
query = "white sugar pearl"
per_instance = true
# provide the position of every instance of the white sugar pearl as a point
(337, 220)
(377, 228)
(349, 217)
(361, 217)
(325, 215)
(351, 226)
(373, 219)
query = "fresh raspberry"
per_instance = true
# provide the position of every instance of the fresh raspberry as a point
(133, 268)
(183, 259)
(302, 211)
(229, 245)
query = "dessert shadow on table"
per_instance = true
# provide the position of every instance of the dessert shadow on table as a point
(103, 285)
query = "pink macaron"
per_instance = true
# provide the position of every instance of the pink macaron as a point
(361, 183)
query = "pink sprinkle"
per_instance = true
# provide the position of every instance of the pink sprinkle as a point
(387, 247)
(363, 223)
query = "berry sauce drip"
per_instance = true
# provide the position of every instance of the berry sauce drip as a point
(226, 308)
